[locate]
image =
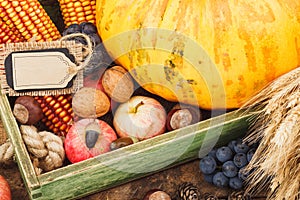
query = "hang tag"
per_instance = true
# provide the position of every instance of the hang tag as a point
(46, 69)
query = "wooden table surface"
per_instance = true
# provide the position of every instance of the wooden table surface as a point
(168, 180)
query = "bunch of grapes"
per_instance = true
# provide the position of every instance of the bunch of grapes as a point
(225, 166)
(87, 28)
(100, 58)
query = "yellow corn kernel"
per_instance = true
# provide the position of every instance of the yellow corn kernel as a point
(58, 112)
(9, 35)
(77, 11)
(77, 4)
(26, 17)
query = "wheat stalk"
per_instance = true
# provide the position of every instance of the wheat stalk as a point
(276, 163)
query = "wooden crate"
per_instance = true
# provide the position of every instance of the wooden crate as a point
(126, 164)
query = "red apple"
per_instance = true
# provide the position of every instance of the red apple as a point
(88, 138)
(140, 117)
(5, 193)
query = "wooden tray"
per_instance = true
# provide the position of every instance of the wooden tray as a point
(126, 164)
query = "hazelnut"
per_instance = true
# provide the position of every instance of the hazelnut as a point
(27, 110)
(182, 115)
(156, 194)
(179, 118)
(90, 103)
(121, 142)
(118, 84)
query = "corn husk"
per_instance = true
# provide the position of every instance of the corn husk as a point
(276, 164)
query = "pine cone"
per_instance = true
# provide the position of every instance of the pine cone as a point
(208, 196)
(187, 191)
(239, 195)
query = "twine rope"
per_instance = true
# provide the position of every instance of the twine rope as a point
(46, 148)
(6, 152)
(88, 49)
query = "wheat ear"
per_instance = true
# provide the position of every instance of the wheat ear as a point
(276, 163)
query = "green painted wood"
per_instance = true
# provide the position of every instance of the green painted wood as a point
(126, 164)
(141, 159)
(21, 153)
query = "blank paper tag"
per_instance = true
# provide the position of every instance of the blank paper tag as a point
(41, 70)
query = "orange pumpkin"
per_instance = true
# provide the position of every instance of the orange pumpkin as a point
(210, 53)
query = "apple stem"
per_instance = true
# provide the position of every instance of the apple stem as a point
(134, 109)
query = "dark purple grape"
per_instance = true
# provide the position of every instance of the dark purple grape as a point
(254, 145)
(212, 153)
(207, 165)
(80, 40)
(224, 154)
(250, 154)
(73, 28)
(241, 147)
(229, 169)
(235, 183)
(243, 174)
(88, 28)
(231, 144)
(95, 39)
(240, 160)
(209, 177)
(100, 59)
(220, 180)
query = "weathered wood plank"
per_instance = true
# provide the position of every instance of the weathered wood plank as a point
(22, 156)
(140, 159)
(126, 164)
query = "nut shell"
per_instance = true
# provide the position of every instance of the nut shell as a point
(90, 103)
(195, 111)
(179, 118)
(182, 115)
(27, 110)
(117, 84)
(121, 142)
(156, 194)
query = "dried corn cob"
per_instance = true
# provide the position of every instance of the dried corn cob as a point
(77, 11)
(8, 35)
(29, 18)
(58, 112)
